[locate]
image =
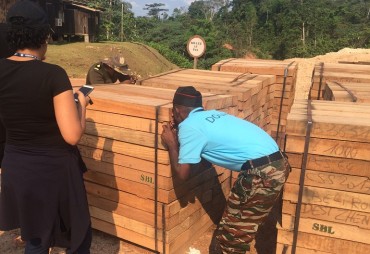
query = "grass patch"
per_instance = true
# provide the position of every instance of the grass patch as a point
(76, 58)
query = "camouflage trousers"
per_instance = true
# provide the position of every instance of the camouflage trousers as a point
(250, 201)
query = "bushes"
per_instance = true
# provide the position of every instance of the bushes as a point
(171, 55)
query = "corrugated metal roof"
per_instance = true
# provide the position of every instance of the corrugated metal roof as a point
(85, 7)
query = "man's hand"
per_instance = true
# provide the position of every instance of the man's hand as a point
(169, 137)
(170, 140)
(131, 80)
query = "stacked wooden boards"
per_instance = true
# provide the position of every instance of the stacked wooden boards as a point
(344, 91)
(131, 190)
(354, 62)
(284, 86)
(342, 73)
(254, 93)
(335, 209)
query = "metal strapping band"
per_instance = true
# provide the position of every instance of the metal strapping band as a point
(164, 228)
(311, 85)
(282, 99)
(156, 178)
(285, 249)
(159, 75)
(244, 80)
(303, 173)
(354, 98)
(240, 76)
(157, 108)
(321, 78)
(219, 67)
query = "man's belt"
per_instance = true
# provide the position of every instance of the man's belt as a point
(262, 161)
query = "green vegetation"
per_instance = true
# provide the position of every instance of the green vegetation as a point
(276, 29)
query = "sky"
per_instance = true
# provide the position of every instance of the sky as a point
(138, 5)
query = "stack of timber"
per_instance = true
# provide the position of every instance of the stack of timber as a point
(254, 93)
(342, 73)
(335, 210)
(354, 62)
(284, 86)
(353, 92)
(132, 192)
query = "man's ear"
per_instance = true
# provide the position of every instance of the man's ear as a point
(183, 112)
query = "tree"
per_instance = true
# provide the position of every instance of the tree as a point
(205, 9)
(243, 18)
(115, 15)
(154, 10)
(176, 13)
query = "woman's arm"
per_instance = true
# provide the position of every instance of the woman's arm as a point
(70, 119)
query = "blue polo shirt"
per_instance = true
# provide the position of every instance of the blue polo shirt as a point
(222, 139)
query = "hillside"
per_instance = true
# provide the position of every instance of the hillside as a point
(76, 58)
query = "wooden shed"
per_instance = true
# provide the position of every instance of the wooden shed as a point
(73, 18)
(67, 18)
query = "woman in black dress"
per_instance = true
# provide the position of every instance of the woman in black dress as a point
(42, 189)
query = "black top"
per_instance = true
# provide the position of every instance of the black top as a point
(2, 134)
(26, 102)
(5, 50)
(42, 189)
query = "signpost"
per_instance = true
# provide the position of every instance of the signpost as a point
(196, 47)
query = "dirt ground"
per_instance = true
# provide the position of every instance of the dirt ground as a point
(265, 240)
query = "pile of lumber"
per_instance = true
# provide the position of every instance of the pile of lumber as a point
(284, 86)
(354, 62)
(335, 208)
(353, 92)
(342, 73)
(132, 192)
(254, 94)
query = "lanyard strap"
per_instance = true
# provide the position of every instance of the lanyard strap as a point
(26, 55)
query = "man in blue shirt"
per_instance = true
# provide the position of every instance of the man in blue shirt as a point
(235, 144)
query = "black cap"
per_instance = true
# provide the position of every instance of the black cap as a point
(27, 13)
(187, 96)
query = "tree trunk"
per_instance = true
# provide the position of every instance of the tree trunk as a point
(303, 35)
(110, 19)
(122, 35)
